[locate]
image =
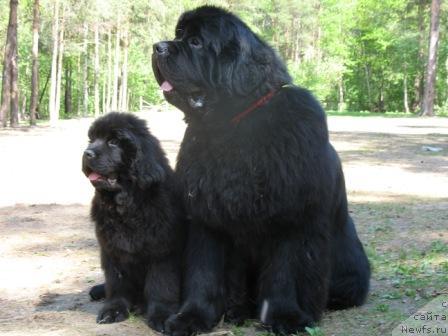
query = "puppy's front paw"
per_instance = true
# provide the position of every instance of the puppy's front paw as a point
(97, 292)
(113, 311)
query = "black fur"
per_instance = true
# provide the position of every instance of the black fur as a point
(97, 292)
(271, 235)
(137, 220)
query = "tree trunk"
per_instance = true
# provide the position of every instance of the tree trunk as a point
(418, 82)
(97, 72)
(68, 106)
(6, 87)
(85, 73)
(42, 94)
(23, 108)
(341, 104)
(57, 105)
(104, 96)
(109, 71)
(35, 66)
(128, 100)
(10, 101)
(79, 87)
(114, 102)
(446, 67)
(54, 61)
(405, 90)
(14, 113)
(369, 91)
(124, 76)
(429, 93)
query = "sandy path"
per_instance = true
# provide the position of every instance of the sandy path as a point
(48, 253)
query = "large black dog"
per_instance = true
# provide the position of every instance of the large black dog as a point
(270, 233)
(138, 223)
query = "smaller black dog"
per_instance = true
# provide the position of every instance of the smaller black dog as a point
(138, 223)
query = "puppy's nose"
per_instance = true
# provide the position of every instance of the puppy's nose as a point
(90, 154)
(161, 48)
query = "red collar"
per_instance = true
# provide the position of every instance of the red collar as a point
(260, 102)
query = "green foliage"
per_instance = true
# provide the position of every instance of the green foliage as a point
(353, 55)
(314, 331)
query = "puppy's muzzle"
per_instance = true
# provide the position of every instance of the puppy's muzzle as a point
(89, 154)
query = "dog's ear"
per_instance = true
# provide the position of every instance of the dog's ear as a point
(146, 169)
(144, 166)
(247, 64)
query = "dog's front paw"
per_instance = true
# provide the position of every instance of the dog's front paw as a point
(237, 314)
(97, 292)
(113, 311)
(157, 320)
(287, 323)
(189, 322)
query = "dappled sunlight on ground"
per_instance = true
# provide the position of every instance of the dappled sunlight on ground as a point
(395, 180)
(398, 197)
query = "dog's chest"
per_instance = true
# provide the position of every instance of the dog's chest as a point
(120, 235)
(230, 181)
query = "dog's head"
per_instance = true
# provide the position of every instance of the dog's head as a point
(122, 152)
(215, 60)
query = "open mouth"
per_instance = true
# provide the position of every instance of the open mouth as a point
(165, 85)
(194, 95)
(96, 178)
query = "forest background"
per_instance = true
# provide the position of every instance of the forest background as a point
(65, 58)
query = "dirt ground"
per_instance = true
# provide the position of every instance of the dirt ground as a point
(49, 256)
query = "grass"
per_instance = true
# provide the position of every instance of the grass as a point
(406, 274)
(378, 114)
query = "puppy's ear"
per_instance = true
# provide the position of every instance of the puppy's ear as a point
(144, 167)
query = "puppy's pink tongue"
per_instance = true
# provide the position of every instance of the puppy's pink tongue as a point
(166, 86)
(94, 176)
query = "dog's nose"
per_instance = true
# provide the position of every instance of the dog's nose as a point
(90, 154)
(161, 48)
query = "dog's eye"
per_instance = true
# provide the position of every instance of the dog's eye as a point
(195, 42)
(112, 143)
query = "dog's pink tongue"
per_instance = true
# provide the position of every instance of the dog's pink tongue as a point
(94, 176)
(166, 86)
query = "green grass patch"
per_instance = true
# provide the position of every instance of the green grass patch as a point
(378, 114)
(314, 331)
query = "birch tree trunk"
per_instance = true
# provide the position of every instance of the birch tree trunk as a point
(114, 103)
(109, 71)
(14, 108)
(85, 72)
(429, 93)
(97, 72)
(35, 64)
(124, 72)
(54, 58)
(418, 82)
(57, 103)
(104, 96)
(405, 90)
(341, 103)
(79, 87)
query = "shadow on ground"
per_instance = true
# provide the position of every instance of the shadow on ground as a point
(403, 150)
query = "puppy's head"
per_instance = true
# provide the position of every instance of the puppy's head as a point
(122, 152)
(215, 58)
